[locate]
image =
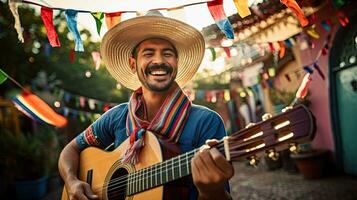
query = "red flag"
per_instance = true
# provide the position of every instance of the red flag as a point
(282, 49)
(111, 19)
(293, 6)
(47, 18)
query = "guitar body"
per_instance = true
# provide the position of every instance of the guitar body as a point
(162, 173)
(98, 167)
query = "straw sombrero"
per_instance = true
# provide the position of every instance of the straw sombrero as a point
(118, 43)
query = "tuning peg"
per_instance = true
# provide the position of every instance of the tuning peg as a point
(272, 154)
(293, 148)
(287, 108)
(249, 125)
(266, 116)
(254, 161)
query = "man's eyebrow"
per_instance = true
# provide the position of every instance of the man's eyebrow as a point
(148, 49)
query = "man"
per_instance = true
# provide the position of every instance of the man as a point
(154, 56)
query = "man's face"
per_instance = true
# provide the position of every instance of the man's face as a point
(155, 64)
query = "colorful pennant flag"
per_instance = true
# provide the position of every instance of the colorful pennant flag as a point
(112, 19)
(35, 108)
(215, 7)
(71, 17)
(3, 76)
(316, 66)
(47, 18)
(13, 4)
(312, 32)
(282, 49)
(242, 7)
(295, 8)
(98, 16)
(304, 87)
(327, 24)
(342, 18)
(308, 69)
(97, 59)
(213, 52)
(227, 50)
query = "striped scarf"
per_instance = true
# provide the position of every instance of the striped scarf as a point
(167, 123)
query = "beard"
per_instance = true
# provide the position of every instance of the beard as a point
(157, 86)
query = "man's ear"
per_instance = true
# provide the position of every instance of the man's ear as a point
(132, 63)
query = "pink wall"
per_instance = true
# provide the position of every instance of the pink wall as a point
(319, 89)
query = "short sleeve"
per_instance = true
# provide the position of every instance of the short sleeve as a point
(101, 133)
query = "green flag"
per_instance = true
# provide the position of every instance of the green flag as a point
(98, 16)
(3, 76)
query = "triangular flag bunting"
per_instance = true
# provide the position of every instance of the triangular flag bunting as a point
(111, 19)
(316, 66)
(228, 51)
(312, 32)
(294, 7)
(242, 7)
(35, 108)
(282, 49)
(216, 9)
(98, 16)
(213, 52)
(96, 58)
(3, 76)
(71, 17)
(13, 4)
(47, 18)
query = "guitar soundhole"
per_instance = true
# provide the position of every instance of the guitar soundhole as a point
(117, 185)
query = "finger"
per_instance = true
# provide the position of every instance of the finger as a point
(209, 164)
(89, 193)
(211, 142)
(80, 196)
(195, 169)
(220, 161)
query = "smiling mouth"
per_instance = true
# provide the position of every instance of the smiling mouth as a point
(159, 72)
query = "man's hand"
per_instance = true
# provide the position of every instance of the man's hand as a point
(79, 190)
(210, 172)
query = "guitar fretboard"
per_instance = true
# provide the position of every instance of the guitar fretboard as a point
(160, 173)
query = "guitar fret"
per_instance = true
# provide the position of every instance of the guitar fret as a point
(147, 178)
(187, 162)
(172, 169)
(179, 162)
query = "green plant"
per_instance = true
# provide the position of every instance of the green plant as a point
(281, 97)
(25, 157)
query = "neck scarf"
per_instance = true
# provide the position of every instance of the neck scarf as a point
(167, 123)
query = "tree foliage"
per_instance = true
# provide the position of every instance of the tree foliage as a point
(24, 60)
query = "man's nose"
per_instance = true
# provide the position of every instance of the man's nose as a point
(158, 59)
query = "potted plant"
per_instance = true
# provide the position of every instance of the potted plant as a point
(25, 162)
(312, 163)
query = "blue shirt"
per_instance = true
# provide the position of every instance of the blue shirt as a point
(202, 124)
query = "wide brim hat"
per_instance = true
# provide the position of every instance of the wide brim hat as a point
(118, 43)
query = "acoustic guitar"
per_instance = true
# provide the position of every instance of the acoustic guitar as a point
(153, 176)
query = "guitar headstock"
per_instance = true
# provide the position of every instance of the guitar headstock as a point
(296, 125)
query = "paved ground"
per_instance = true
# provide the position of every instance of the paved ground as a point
(251, 183)
(258, 183)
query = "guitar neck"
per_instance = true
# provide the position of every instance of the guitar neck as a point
(160, 173)
(280, 132)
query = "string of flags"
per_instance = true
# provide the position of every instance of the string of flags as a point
(33, 106)
(215, 7)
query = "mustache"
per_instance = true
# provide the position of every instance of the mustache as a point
(162, 66)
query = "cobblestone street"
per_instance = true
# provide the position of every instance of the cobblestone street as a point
(258, 183)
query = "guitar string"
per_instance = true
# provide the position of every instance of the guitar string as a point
(172, 163)
(122, 188)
